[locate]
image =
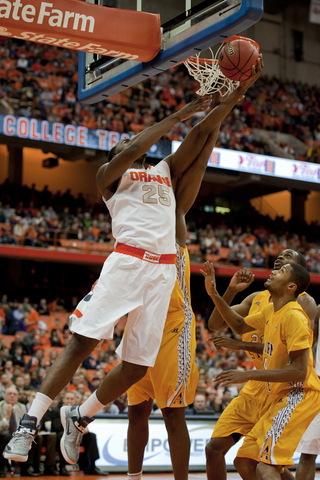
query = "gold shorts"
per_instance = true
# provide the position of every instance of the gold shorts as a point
(275, 437)
(243, 412)
(174, 378)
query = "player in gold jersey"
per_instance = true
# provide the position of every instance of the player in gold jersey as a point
(293, 388)
(245, 410)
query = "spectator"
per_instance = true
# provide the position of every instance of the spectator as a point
(42, 308)
(55, 340)
(18, 358)
(199, 406)
(4, 384)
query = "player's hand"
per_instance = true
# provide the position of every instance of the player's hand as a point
(224, 342)
(199, 104)
(209, 279)
(231, 377)
(241, 280)
(256, 72)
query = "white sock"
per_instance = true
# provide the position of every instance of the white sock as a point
(135, 476)
(91, 406)
(39, 406)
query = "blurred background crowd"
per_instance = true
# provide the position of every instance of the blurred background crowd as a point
(275, 118)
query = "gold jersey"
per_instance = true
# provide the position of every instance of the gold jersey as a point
(285, 331)
(259, 302)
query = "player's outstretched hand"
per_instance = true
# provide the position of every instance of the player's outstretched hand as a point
(241, 280)
(209, 279)
(231, 377)
(256, 72)
(199, 104)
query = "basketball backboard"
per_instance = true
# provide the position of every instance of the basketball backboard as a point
(187, 28)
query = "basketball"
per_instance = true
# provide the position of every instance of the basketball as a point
(236, 59)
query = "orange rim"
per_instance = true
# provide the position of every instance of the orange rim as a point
(200, 61)
(238, 37)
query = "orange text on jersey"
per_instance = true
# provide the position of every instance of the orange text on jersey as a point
(147, 177)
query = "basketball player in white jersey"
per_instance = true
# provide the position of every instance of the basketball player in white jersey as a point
(136, 279)
(309, 445)
(173, 380)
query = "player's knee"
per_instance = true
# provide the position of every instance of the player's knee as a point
(139, 414)
(215, 448)
(241, 466)
(174, 418)
(80, 346)
(135, 372)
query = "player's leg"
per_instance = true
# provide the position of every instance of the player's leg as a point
(307, 467)
(246, 467)
(236, 421)
(287, 475)
(216, 449)
(56, 379)
(268, 472)
(75, 419)
(179, 441)
(65, 365)
(137, 436)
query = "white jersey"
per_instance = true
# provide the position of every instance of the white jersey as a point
(143, 209)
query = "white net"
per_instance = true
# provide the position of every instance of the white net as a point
(208, 74)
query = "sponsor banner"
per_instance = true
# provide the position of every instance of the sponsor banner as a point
(314, 11)
(83, 26)
(112, 444)
(262, 165)
(44, 131)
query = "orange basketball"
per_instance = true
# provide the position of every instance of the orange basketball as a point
(236, 59)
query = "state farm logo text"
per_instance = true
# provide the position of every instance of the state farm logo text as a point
(46, 14)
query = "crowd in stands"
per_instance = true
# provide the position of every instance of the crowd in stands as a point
(41, 81)
(33, 218)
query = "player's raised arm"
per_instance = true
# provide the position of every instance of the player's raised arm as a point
(233, 319)
(239, 282)
(189, 183)
(126, 152)
(192, 145)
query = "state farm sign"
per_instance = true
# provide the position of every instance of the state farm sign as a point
(83, 26)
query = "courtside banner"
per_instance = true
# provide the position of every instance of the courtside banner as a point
(78, 25)
(78, 136)
(262, 165)
(112, 444)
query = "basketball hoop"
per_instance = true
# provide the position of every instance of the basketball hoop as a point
(207, 73)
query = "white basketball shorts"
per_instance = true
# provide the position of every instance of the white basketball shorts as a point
(129, 285)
